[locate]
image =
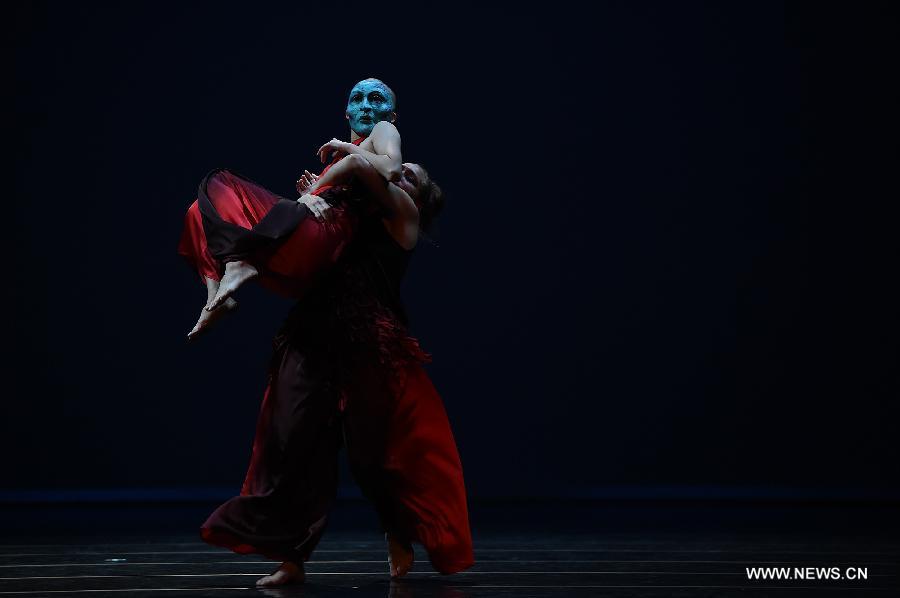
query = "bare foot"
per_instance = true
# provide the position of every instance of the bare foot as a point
(288, 572)
(400, 556)
(236, 274)
(207, 318)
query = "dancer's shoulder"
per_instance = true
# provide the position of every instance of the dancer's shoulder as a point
(384, 130)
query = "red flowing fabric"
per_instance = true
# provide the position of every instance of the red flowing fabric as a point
(403, 454)
(422, 457)
(293, 265)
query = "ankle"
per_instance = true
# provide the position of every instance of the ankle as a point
(398, 540)
(292, 567)
(212, 286)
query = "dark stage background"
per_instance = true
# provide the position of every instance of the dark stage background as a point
(630, 295)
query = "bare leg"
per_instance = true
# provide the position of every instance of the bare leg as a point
(400, 556)
(288, 572)
(208, 317)
(236, 274)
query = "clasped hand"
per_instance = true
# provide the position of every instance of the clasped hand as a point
(320, 208)
(306, 180)
(335, 147)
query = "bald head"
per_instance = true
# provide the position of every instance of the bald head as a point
(370, 102)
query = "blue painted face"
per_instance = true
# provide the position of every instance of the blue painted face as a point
(370, 102)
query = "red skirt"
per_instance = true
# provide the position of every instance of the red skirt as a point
(288, 263)
(400, 447)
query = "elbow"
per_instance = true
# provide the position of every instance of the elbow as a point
(356, 162)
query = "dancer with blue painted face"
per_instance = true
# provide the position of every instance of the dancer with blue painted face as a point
(236, 230)
(371, 101)
(345, 371)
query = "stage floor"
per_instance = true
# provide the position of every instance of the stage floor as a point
(630, 551)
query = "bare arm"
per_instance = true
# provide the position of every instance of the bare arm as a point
(385, 155)
(402, 216)
(341, 173)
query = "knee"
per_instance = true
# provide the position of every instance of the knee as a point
(219, 175)
(216, 176)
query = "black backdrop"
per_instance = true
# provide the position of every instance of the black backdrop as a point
(624, 291)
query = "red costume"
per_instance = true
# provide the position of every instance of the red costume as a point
(288, 261)
(344, 372)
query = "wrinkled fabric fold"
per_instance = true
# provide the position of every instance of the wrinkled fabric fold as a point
(291, 482)
(236, 218)
(273, 217)
(408, 466)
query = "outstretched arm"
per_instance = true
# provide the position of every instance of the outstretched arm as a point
(385, 156)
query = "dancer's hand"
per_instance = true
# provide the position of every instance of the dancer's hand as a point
(306, 181)
(335, 147)
(320, 208)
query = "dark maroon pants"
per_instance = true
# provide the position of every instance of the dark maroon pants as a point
(292, 479)
(399, 445)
